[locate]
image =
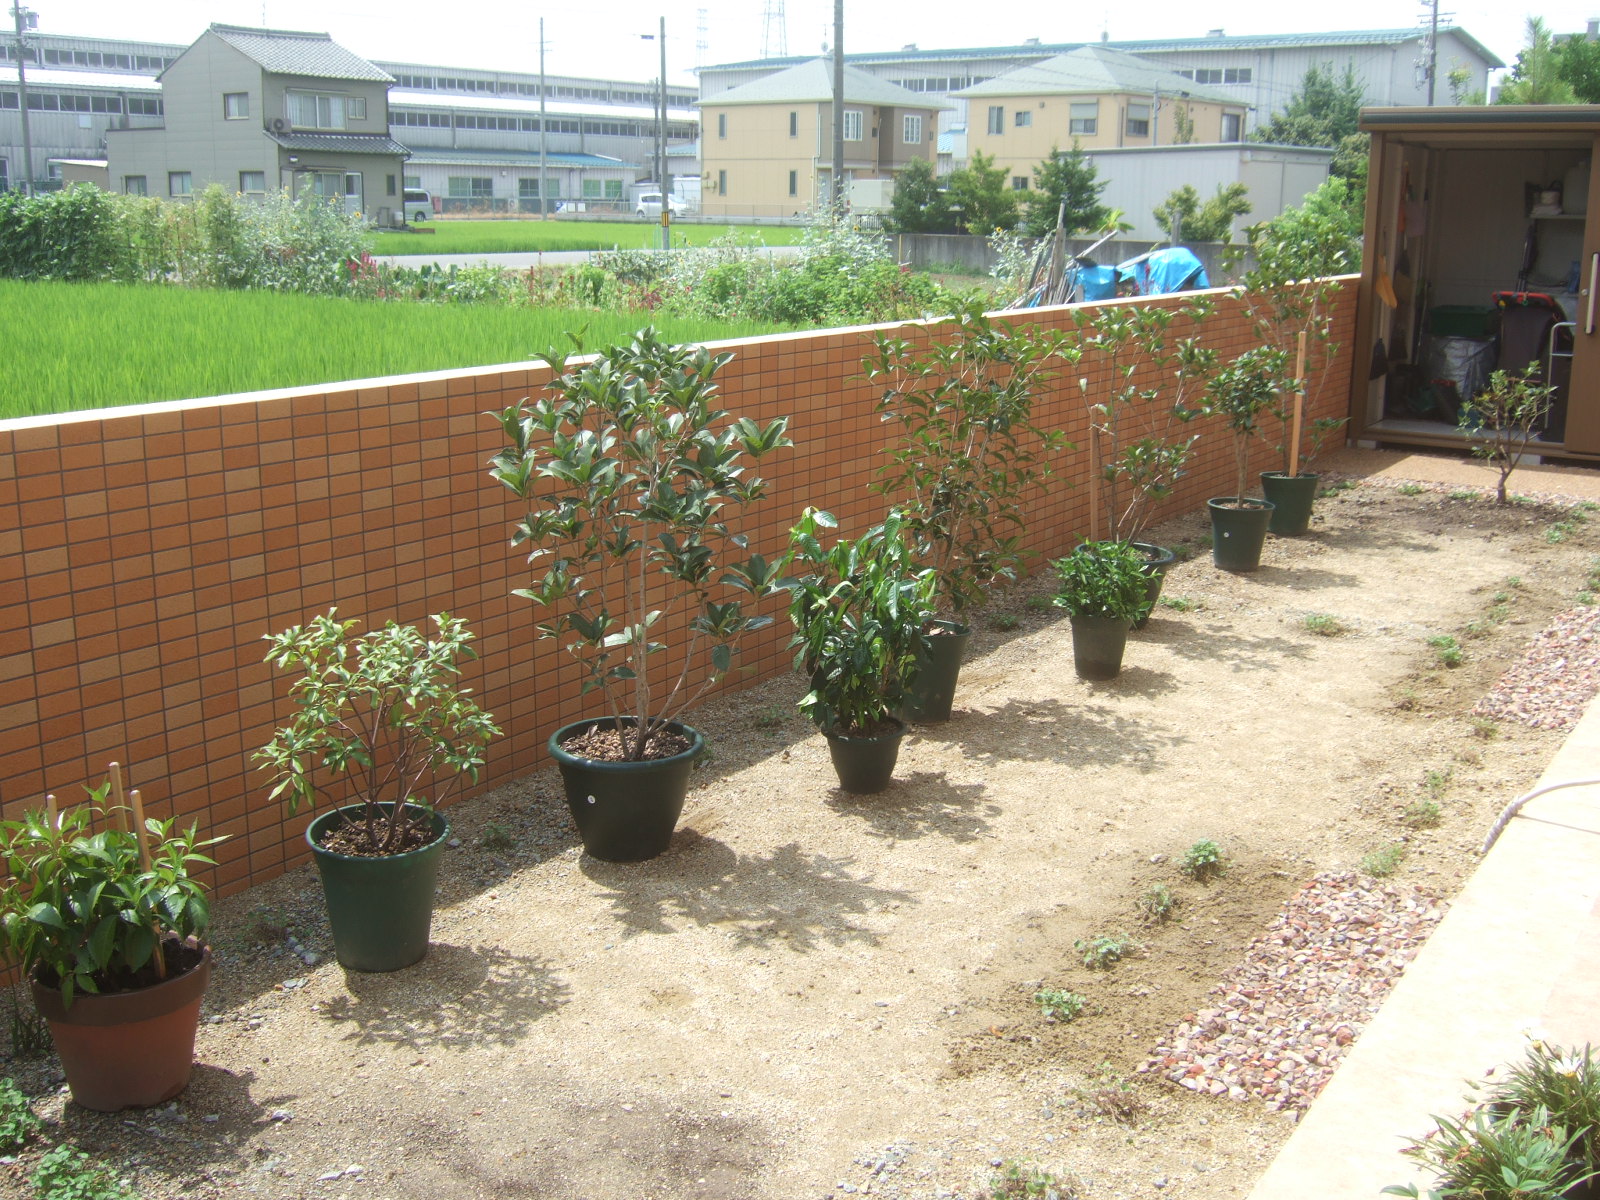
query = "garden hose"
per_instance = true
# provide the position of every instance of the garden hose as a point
(1515, 807)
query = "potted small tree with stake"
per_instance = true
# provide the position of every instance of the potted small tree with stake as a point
(1102, 585)
(104, 918)
(385, 710)
(859, 617)
(1240, 393)
(630, 473)
(969, 454)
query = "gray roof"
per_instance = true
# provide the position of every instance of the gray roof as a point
(812, 82)
(425, 156)
(340, 143)
(283, 52)
(1092, 70)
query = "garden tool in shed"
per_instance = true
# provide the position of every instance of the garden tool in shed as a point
(1380, 361)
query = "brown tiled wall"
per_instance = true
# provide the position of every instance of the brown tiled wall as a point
(145, 552)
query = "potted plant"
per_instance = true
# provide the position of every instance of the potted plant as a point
(859, 617)
(631, 473)
(1102, 585)
(1135, 419)
(105, 920)
(385, 712)
(1240, 393)
(969, 453)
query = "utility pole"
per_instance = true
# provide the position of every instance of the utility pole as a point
(544, 180)
(661, 160)
(837, 200)
(25, 20)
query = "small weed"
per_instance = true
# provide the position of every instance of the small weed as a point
(17, 1120)
(1447, 649)
(1591, 583)
(1179, 603)
(1407, 700)
(1039, 604)
(1203, 541)
(68, 1174)
(1333, 489)
(30, 1035)
(1484, 728)
(1436, 781)
(1059, 1005)
(1104, 950)
(1383, 862)
(773, 716)
(1113, 1097)
(1156, 903)
(1421, 814)
(1411, 489)
(1324, 625)
(1004, 622)
(1203, 860)
(1463, 494)
(1513, 581)
(1029, 1181)
(496, 837)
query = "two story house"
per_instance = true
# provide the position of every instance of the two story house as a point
(258, 110)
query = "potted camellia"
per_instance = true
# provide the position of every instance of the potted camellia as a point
(968, 455)
(631, 474)
(104, 917)
(860, 612)
(1240, 394)
(385, 712)
(1102, 585)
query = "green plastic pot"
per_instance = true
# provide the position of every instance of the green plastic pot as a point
(1292, 497)
(1237, 534)
(1158, 561)
(625, 811)
(865, 764)
(933, 688)
(1097, 646)
(381, 909)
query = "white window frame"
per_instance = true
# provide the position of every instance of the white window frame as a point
(853, 124)
(244, 183)
(1084, 123)
(1130, 120)
(320, 110)
(1238, 127)
(235, 106)
(911, 130)
(174, 178)
(1023, 118)
(128, 188)
(997, 119)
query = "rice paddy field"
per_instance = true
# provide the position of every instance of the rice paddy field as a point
(525, 237)
(70, 346)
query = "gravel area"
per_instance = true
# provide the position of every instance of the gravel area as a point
(1283, 1019)
(1556, 679)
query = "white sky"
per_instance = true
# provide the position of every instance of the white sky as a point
(600, 37)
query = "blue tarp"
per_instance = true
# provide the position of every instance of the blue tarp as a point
(1161, 271)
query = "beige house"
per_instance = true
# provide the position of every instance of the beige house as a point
(766, 148)
(260, 109)
(1097, 97)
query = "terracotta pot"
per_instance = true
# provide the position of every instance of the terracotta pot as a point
(127, 1049)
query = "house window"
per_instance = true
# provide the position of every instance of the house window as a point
(327, 184)
(253, 182)
(997, 118)
(1085, 118)
(414, 181)
(1024, 117)
(1236, 75)
(355, 107)
(180, 183)
(591, 189)
(388, 185)
(469, 187)
(613, 189)
(722, 183)
(794, 183)
(310, 110)
(235, 106)
(794, 124)
(1019, 183)
(1138, 123)
(852, 124)
(134, 185)
(911, 131)
(722, 125)
(1232, 127)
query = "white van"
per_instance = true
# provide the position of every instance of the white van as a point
(649, 205)
(418, 205)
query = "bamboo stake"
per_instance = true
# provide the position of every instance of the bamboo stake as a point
(139, 829)
(1299, 405)
(1094, 477)
(121, 816)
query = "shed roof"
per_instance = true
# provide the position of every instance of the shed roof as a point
(1092, 70)
(812, 82)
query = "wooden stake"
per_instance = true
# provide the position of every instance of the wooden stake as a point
(1095, 482)
(50, 808)
(121, 814)
(139, 829)
(1299, 405)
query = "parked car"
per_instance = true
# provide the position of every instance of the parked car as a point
(649, 206)
(418, 205)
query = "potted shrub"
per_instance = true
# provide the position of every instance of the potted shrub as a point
(1136, 419)
(383, 710)
(1240, 393)
(968, 455)
(631, 474)
(1102, 585)
(859, 617)
(105, 920)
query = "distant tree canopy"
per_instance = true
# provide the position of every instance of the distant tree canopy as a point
(920, 204)
(1536, 76)
(1185, 218)
(1068, 179)
(1326, 111)
(980, 194)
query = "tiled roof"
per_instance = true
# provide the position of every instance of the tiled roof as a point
(340, 143)
(283, 52)
(1091, 70)
(812, 81)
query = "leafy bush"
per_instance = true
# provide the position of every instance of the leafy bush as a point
(73, 234)
(1103, 579)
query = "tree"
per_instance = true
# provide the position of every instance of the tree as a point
(1068, 178)
(1578, 62)
(979, 194)
(919, 204)
(1324, 111)
(1182, 126)
(1536, 76)
(1185, 218)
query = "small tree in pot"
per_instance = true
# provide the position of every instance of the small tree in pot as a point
(1240, 394)
(631, 472)
(860, 615)
(386, 711)
(1102, 585)
(104, 917)
(970, 452)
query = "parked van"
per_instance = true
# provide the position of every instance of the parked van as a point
(418, 205)
(649, 205)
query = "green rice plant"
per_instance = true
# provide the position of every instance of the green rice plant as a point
(1421, 814)
(1104, 950)
(465, 236)
(1203, 860)
(1059, 1005)
(1324, 625)
(1447, 649)
(1384, 861)
(1156, 903)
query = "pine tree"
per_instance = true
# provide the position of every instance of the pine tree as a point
(1069, 178)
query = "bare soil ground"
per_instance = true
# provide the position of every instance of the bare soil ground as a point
(816, 995)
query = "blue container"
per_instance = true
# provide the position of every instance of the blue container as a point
(1099, 283)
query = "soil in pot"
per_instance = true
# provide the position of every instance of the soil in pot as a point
(625, 811)
(865, 761)
(933, 690)
(1238, 532)
(131, 1048)
(1292, 497)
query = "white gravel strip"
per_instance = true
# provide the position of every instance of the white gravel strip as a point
(1283, 1018)
(1556, 679)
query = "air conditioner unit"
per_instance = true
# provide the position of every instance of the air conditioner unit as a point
(280, 125)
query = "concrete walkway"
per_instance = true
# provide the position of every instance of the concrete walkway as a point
(1459, 469)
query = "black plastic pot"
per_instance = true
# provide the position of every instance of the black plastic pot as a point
(1097, 646)
(1237, 534)
(381, 909)
(1292, 497)
(933, 688)
(625, 811)
(865, 764)
(1158, 561)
